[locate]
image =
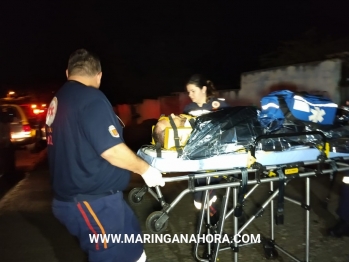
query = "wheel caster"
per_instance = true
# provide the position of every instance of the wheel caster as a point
(151, 222)
(135, 197)
(207, 256)
(269, 251)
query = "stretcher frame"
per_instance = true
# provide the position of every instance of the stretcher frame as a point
(157, 221)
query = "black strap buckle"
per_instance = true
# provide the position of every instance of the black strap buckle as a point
(280, 208)
(242, 192)
(259, 172)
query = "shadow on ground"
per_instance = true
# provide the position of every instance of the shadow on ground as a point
(9, 181)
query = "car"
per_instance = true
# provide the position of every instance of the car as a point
(34, 108)
(36, 114)
(25, 130)
(7, 152)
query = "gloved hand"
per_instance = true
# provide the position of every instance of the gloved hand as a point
(153, 177)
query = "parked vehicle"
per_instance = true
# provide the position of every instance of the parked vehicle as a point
(7, 152)
(35, 110)
(25, 130)
(36, 114)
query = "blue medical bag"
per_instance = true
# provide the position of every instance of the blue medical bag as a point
(283, 104)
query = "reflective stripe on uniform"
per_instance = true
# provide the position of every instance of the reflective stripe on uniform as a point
(87, 221)
(199, 112)
(89, 208)
(143, 257)
(198, 205)
(345, 179)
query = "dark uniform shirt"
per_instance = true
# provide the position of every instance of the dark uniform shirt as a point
(81, 124)
(213, 104)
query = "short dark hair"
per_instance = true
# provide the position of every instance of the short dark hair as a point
(158, 135)
(83, 62)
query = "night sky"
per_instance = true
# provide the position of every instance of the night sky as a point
(150, 48)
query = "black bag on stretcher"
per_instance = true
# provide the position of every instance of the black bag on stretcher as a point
(283, 104)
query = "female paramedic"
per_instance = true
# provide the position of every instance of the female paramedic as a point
(203, 96)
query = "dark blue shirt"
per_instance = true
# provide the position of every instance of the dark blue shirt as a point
(213, 104)
(81, 125)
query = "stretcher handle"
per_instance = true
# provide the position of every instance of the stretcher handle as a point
(253, 147)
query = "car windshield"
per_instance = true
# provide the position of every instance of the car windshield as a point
(27, 111)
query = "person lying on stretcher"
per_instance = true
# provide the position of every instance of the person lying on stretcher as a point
(159, 137)
(179, 121)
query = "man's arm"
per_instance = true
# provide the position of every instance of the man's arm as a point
(122, 156)
(103, 135)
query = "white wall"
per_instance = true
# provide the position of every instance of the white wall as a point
(315, 77)
(318, 77)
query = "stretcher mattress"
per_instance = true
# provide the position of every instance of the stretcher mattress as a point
(169, 162)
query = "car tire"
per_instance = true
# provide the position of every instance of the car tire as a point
(35, 147)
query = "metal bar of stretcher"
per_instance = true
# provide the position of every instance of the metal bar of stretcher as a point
(255, 182)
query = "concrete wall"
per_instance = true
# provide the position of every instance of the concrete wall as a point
(153, 108)
(150, 108)
(183, 100)
(318, 77)
(169, 105)
(124, 112)
(344, 94)
(230, 95)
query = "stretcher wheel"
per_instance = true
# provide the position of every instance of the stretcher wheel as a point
(133, 198)
(151, 223)
(269, 250)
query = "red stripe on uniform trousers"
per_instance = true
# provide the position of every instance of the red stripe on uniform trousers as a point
(87, 221)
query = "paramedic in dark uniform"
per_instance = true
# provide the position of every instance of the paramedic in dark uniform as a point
(90, 164)
(342, 227)
(203, 96)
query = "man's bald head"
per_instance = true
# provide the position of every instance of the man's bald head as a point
(159, 129)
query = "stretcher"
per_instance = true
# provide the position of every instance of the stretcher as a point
(169, 163)
(239, 171)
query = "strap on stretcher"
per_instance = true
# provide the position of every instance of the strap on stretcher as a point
(242, 192)
(176, 137)
(334, 172)
(259, 171)
(158, 149)
(280, 207)
(332, 181)
(192, 122)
